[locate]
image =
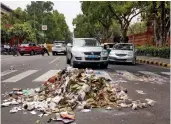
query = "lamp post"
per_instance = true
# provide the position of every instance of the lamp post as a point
(74, 26)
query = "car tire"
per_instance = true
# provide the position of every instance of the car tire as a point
(21, 54)
(104, 66)
(53, 53)
(32, 53)
(72, 63)
(68, 61)
(64, 53)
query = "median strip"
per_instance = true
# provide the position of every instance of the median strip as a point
(162, 64)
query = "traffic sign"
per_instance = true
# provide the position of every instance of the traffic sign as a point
(44, 27)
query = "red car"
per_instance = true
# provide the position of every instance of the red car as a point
(30, 48)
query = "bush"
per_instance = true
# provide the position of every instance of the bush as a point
(163, 52)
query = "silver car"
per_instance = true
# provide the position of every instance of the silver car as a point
(58, 47)
(123, 52)
(84, 51)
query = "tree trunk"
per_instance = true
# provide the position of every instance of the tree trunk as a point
(124, 35)
(163, 39)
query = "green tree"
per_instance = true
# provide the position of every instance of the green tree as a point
(138, 27)
(158, 16)
(83, 27)
(124, 12)
(98, 13)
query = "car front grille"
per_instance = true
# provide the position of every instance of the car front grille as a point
(92, 53)
(78, 58)
(104, 58)
(121, 54)
(92, 58)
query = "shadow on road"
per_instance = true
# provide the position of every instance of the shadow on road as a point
(123, 63)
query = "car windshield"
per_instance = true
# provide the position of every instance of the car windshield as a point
(86, 42)
(123, 47)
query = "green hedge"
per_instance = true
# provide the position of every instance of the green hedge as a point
(163, 52)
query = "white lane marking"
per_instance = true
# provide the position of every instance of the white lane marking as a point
(46, 76)
(54, 60)
(20, 76)
(166, 73)
(7, 72)
(127, 75)
(149, 73)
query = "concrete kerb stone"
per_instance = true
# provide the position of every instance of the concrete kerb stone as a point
(153, 63)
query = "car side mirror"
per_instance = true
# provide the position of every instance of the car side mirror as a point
(69, 45)
(102, 45)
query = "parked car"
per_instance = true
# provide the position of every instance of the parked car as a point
(58, 47)
(123, 52)
(84, 51)
(29, 48)
(109, 44)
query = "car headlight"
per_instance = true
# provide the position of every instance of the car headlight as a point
(104, 53)
(130, 54)
(112, 53)
(78, 54)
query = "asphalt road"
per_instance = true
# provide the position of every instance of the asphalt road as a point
(28, 70)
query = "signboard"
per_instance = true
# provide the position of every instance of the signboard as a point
(44, 27)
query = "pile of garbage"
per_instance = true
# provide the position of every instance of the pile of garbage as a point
(68, 90)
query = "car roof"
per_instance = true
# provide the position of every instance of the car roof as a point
(125, 43)
(84, 38)
(108, 43)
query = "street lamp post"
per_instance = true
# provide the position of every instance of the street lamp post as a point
(73, 30)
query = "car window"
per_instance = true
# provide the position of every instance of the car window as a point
(34, 44)
(123, 47)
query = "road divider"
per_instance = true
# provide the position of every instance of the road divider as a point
(153, 63)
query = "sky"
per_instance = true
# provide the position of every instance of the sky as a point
(70, 9)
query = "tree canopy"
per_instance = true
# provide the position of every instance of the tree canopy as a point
(27, 23)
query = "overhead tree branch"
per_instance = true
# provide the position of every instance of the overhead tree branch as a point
(114, 14)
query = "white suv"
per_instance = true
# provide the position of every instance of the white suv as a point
(86, 51)
(58, 47)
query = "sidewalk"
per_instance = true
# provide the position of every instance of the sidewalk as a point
(154, 60)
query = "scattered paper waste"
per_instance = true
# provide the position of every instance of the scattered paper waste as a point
(72, 89)
(140, 92)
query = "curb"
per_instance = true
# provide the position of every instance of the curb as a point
(153, 63)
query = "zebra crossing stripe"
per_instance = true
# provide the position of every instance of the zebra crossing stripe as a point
(149, 73)
(20, 76)
(46, 76)
(166, 73)
(127, 75)
(7, 72)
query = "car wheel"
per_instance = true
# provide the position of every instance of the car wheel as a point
(32, 53)
(21, 54)
(72, 63)
(68, 62)
(104, 66)
(64, 53)
(53, 53)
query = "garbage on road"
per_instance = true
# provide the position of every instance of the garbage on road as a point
(140, 92)
(71, 89)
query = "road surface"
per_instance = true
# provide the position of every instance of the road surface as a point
(31, 71)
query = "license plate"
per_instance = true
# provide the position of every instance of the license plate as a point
(92, 56)
(22, 49)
